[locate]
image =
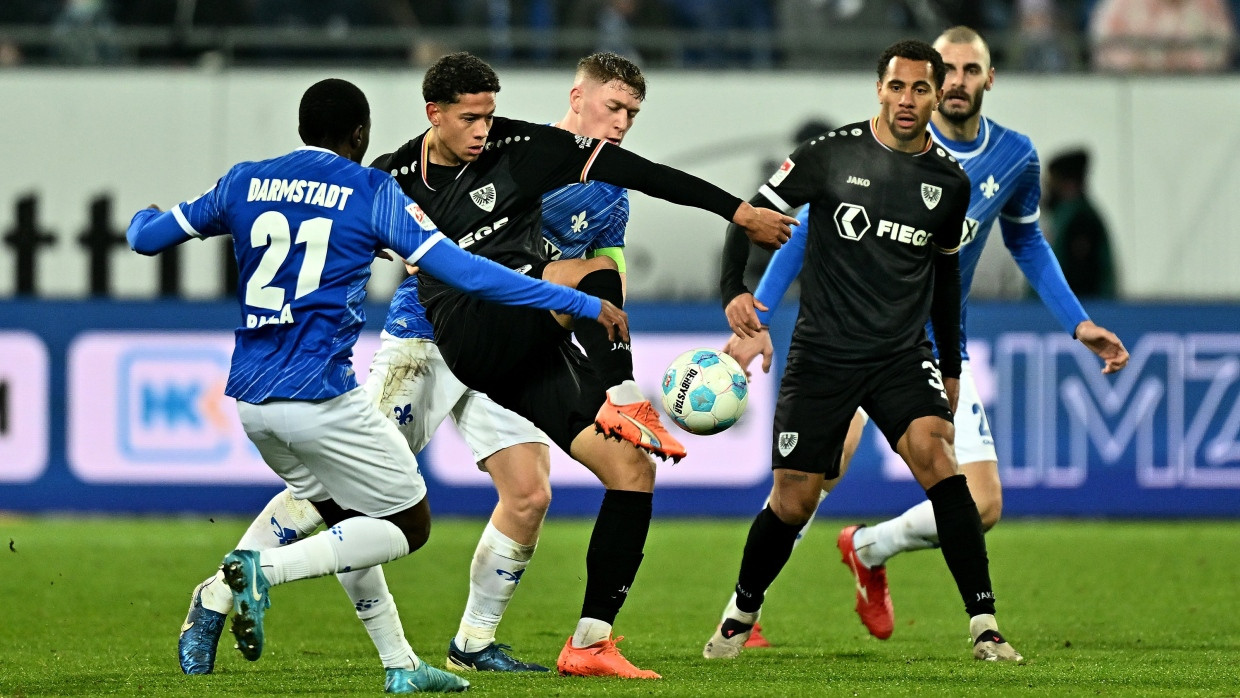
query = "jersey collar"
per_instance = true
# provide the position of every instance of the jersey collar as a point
(874, 133)
(424, 165)
(963, 150)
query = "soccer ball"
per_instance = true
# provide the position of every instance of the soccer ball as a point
(704, 391)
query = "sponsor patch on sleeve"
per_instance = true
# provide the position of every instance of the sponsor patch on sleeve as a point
(420, 216)
(782, 172)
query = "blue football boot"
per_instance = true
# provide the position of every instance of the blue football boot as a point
(493, 657)
(200, 635)
(249, 585)
(424, 679)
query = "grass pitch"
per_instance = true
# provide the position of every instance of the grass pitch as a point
(93, 607)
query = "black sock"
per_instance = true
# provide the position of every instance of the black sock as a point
(766, 552)
(615, 552)
(612, 360)
(963, 543)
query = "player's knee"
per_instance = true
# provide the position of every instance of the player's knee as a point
(529, 503)
(990, 508)
(415, 523)
(794, 510)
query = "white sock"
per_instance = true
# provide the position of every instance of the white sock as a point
(215, 594)
(351, 544)
(493, 578)
(625, 393)
(731, 611)
(284, 520)
(368, 590)
(981, 623)
(915, 529)
(590, 631)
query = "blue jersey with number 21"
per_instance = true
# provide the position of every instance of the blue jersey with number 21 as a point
(305, 229)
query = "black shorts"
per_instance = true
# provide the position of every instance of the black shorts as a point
(522, 359)
(817, 403)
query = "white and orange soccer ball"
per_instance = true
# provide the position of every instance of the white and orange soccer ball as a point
(704, 391)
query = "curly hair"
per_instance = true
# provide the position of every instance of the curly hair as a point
(458, 74)
(606, 67)
(914, 50)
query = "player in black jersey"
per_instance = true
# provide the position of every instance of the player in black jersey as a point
(481, 179)
(887, 215)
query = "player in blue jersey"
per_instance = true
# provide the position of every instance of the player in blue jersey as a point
(305, 227)
(410, 383)
(1003, 168)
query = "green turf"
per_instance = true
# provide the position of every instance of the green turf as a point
(92, 607)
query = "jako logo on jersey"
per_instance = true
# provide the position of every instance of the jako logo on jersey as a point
(859, 181)
(902, 233)
(781, 173)
(851, 221)
(484, 197)
(930, 195)
(482, 232)
(580, 223)
(990, 187)
(583, 142)
(420, 216)
(969, 233)
(787, 442)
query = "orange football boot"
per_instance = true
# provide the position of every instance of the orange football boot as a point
(600, 659)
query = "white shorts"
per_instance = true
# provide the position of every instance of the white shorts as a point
(340, 449)
(974, 442)
(410, 383)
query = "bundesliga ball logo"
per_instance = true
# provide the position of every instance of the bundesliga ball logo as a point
(704, 391)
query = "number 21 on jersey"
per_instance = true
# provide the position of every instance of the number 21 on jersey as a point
(272, 231)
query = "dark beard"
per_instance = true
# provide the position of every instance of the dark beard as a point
(963, 117)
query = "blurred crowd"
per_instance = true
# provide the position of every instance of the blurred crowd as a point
(1172, 36)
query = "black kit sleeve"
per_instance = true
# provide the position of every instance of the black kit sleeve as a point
(945, 306)
(615, 165)
(735, 259)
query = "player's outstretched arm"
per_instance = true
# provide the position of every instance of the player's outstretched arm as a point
(151, 231)
(1105, 344)
(767, 228)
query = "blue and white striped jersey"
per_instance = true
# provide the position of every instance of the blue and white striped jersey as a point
(580, 218)
(305, 228)
(576, 219)
(1004, 174)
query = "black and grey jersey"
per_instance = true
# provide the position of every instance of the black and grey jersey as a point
(877, 218)
(493, 206)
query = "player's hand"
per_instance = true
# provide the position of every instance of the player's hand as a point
(766, 228)
(615, 320)
(155, 207)
(741, 315)
(951, 386)
(413, 269)
(1105, 344)
(746, 349)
